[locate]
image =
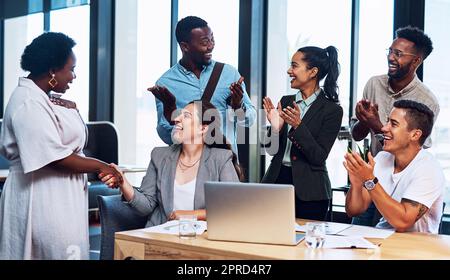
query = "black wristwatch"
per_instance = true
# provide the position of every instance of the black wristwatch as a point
(370, 184)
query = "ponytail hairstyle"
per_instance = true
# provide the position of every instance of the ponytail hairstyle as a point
(326, 61)
(207, 114)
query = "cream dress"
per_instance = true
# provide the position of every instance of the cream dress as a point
(43, 212)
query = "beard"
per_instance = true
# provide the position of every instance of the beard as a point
(401, 72)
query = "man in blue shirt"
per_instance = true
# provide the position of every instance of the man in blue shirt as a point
(187, 80)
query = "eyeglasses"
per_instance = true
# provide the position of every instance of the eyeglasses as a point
(397, 53)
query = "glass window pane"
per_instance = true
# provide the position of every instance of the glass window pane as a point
(153, 60)
(142, 55)
(35, 6)
(224, 22)
(19, 32)
(372, 59)
(437, 78)
(61, 4)
(63, 21)
(302, 28)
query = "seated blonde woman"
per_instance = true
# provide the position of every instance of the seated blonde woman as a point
(174, 183)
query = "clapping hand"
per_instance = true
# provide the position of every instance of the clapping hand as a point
(358, 170)
(168, 100)
(291, 115)
(236, 94)
(273, 115)
(367, 114)
(64, 103)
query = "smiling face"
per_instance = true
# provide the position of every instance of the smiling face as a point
(65, 75)
(199, 48)
(299, 72)
(188, 128)
(397, 135)
(402, 59)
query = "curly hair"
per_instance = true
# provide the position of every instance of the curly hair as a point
(46, 52)
(185, 26)
(421, 41)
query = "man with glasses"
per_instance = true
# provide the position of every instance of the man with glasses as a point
(406, 53)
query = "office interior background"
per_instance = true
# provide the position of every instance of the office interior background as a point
(124, 46)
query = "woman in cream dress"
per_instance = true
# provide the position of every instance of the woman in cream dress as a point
(44, 206)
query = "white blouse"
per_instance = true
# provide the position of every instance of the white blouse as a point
(183, 195)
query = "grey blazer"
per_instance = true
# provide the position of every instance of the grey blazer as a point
(155, 196)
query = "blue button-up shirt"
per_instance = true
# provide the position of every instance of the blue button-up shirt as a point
(304, 107)
(186, 87)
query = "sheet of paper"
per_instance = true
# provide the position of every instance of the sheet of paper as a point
(336, 241)
(351, 230)
(331, 228)
(366, 232)
(171, 227)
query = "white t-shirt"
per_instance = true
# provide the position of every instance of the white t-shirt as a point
(421, 181)
(183, 195)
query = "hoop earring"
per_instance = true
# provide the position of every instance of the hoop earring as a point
(53, 82)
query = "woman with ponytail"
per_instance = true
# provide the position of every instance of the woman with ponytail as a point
(307, 125)
(174, 183)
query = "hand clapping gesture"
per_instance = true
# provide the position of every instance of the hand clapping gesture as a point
(168, 100)
(273, 115)
(64, 103)
(367, 114)
(236, 94)
(291, 115)
(359, 171)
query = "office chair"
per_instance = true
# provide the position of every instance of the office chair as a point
(103, 144)
(441, 229)
(115, 216)
(4, 163)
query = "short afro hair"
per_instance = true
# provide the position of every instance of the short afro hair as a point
(421, 41)
(46, 52)
(418, 116)
(185, 26)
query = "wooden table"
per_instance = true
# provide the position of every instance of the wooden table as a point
(139, 244)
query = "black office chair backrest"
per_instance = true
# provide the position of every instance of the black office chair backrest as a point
(115, 216)
(441, 228)
(4, 163)
(103, 143)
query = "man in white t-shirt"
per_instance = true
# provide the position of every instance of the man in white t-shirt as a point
(404, 181)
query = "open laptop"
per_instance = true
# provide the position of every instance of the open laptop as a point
(251, 212)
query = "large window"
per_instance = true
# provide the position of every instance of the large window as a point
(63, 21)
(153, 61)
(294, 24)
(223, 18)
(19, 32)
(143, 46)
(375, 36)
(437, 78)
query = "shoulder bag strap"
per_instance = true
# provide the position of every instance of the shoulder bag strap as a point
(212, 83)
